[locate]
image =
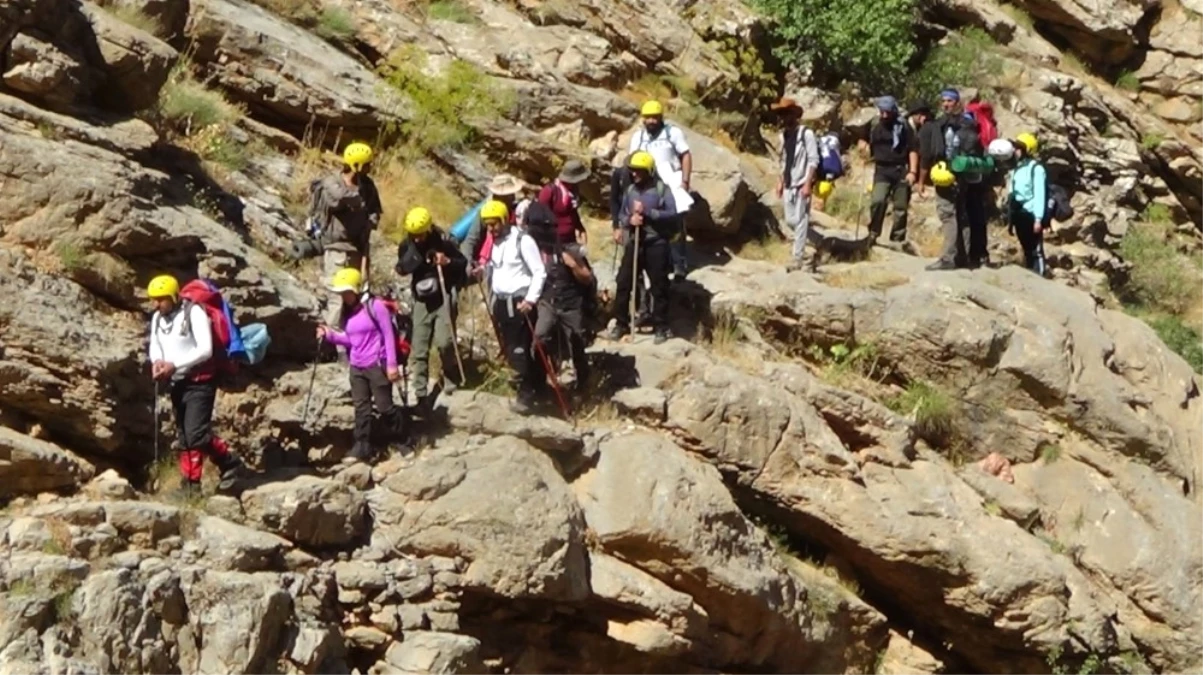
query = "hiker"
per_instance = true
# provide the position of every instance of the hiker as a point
(565, 300)
(799, 165)
(563, 198)
(648, 222)
(517, 276)
(345, 208)
(674, 165)
(507, 189)
(894, 149)
(961, 164)
(1028, 212)
(182, 353)
(927, 136)
(424, 251)
(620, 181)
(365, 328)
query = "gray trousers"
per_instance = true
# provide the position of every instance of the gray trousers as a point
(431, 331)
(797, 216)
(954, 225)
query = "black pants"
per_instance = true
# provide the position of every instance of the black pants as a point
(976, 196)
(1024, 225)
(558, 327)
(193, 405)
(655, 258)
(889, 182)
(516, 335)
(371, 386)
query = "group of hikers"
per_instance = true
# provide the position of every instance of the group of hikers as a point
(527, 255)
(957, 152)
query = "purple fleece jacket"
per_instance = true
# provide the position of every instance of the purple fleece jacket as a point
(364, 340)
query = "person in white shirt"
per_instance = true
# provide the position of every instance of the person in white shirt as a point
(517, 276)
(674, 165)
(182, 354)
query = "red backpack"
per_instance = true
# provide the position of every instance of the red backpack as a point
(983, 112)
(208, 296)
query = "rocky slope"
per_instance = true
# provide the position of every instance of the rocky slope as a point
(872, 468)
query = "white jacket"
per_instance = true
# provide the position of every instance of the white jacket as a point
(184, 349)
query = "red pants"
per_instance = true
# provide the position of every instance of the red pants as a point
(192, 460)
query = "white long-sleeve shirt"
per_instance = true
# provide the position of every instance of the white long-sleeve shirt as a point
(184, 350)
(516, 264)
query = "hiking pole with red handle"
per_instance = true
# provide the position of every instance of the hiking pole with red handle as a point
(550, 369)
(451, 324)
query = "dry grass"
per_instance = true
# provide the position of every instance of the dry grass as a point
(166, 483)
(135, 17)
(768, 249)
(865, 276)
(403, 186)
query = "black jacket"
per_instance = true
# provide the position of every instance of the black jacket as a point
(413, 259)
(881, 144)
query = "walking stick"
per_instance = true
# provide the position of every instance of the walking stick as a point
(550, 368)
(155, 409)
(451, 324)
(312, 378)
(634, 277)
(492, 319)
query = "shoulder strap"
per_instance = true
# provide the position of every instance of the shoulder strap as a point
(367, 306)
(186, 308)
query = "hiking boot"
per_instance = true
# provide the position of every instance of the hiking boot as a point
(940, 266)
(519, 406)
(643, 320)
(360, 452)
(230, 475)
(662, 336)
(618, 332)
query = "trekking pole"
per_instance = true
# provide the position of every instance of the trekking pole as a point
(492, 320)
(404, 385)
(451, 324)
(312, 378)
(551, 370)
(634, 277)
(155, 409)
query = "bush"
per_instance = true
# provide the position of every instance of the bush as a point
(967, 58)
(1127, 81)
(335, 24)
(1181, 338)
(935, 412)
(451, 10)
(445, 106)
(870, 41)
(1161, 278)
(190, 105)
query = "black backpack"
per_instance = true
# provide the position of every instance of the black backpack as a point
(1058, 203)
(538, 217)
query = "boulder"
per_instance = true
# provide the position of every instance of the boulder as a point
(310, 511)
(501, 506)
(230, 546)
(481, 413)
(435, 653)
(629, 587)
(1105, 32)
(30, 466)
(237, 619)
(39, 70)
(136, 63)
(285, 75)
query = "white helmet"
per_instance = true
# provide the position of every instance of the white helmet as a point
(1001, 148)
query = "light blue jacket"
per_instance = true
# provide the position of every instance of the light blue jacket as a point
(1029, 188)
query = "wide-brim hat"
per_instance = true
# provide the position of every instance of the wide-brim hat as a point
(506, 184)
(574, 171)
(785, 104)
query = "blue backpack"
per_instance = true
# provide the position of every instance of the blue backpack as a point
(831, 165)
(459, 231)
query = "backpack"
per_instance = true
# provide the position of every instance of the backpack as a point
(459, 231)
(987, 126)
(831, 165)
(402, 326)
(539, 216)
(1058, 202)
(238, 345)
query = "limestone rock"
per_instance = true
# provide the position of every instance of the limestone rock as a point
(230, 546)
(434, 652)
(42, 71)
(30, 466)
(136, 63)
(480, 413)
(1106, 32)
(501, 506)
(310, 511)
(238, 619)
(109, 485)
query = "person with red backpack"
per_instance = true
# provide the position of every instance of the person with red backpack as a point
(185, 352)
(562, 198)
(366, 331)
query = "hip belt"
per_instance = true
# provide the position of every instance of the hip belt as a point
(510, 299)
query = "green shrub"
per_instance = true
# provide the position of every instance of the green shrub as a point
(935, 412)
(451, 10)
(1182, 339)
(969, 58)
(1127, 81)
(446, 107)
(335, 24)
(1161, 277)
(188, 104)
(1152, 140)
(870, 41)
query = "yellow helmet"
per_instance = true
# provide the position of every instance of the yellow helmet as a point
(651, 109)
(418, 220)
(163, 286)
(357, 155)
(494, 210)
(642, 160)
(1028, 141)
(824, 189)
(346, 279)
(941, 176)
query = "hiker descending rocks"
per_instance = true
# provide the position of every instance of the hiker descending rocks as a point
(437, 269)
(365, 328)
(562, 198)
(894, 148)
(475, 245)
(929, 141)
(1028, 212)
(959, 204)
(517, 276)
(567, 298)
(183, 354)
(345, 208)
(648, 222)
(674, 166)
(799, 165)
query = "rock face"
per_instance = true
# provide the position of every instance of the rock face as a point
(29, 466)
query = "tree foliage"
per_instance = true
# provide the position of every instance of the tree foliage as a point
(870, 41)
